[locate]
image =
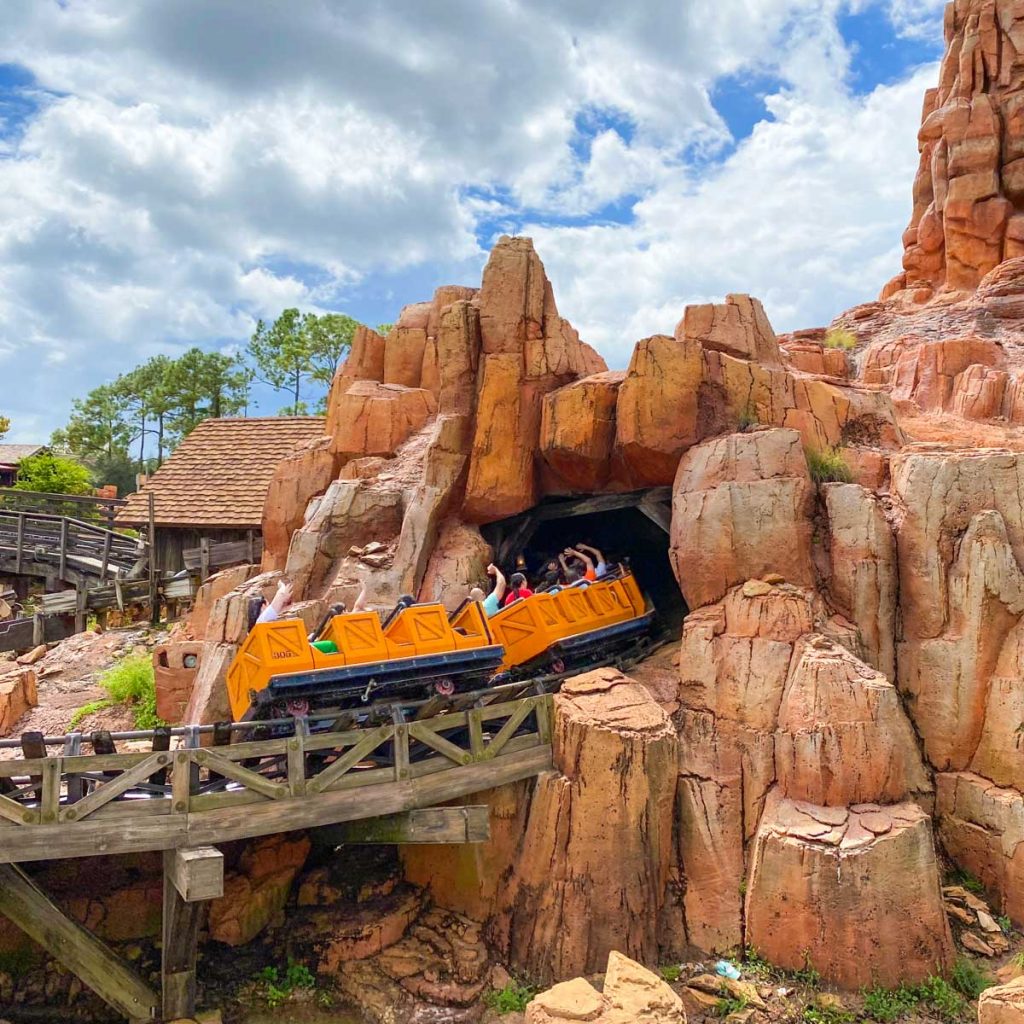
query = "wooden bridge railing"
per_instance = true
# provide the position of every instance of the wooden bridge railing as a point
(41, 542)
(87, 508)
(76, 805)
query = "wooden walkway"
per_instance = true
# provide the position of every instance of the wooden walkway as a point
(61, 548)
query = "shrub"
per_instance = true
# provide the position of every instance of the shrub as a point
(1005, 923)
(130, 682)
(279, 985)
(839, 338)
(510, 999)
(730, 1004)
(747, 419)
(828, 465)
(968, 978)
(940, 995)
(966, 881)
(670, 972)
(888, 1004)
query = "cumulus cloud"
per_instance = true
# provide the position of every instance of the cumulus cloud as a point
(185, 168)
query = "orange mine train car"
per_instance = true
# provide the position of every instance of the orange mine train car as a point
(421, 650)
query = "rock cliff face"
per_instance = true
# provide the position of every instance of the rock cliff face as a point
(846, 531)
(969, 189)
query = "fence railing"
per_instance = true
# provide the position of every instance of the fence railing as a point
(64, 806)
(87, 508)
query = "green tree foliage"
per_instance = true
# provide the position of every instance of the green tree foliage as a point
(298, 349)
(53, 474)
(5, 425)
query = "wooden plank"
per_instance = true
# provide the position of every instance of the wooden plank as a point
(63, 547)
(250, 779)
(109, 790)
(50, 804)
(204, 559)
(197, 873)
(180, 938)
(429, 738)
(243, 821)
(20, 545)
(505, 733)
(336, 769)
(67, 941)
(470, 824)
(106, 558)
(297, 759)
(73, 783)
(476, 733)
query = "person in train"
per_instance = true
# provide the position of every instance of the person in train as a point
(517, 589)
(492, 602)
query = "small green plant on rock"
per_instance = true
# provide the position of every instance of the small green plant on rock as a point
(888, 1004)
(838, 337)
(754, 965)
(278, 986)
(729, 1004)
(510, 999)
(1005, 923)
(942, 997)
(747, 419)
(815, 1014)
(828, 465)
(968, 978)
(670, 972)
(966, 881)
(807, 975)
(130, 682)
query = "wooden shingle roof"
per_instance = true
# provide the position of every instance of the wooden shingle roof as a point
(12, 454)
(219, 475)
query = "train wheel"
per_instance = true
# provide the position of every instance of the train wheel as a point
(444, 687)
(298, 707)
(558, 666)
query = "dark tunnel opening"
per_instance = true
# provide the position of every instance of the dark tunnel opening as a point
(621, 534)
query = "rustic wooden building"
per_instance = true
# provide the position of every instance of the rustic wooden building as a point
(10, 457)
(210, 492)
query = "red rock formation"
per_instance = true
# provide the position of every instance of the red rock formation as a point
(737, 327)
(656, 416)
(612, 844)
(631, 994)
(817, 875)
(741, 507)
(577, 431)
(376, 419)
(527, 351)
(296, 481)
(862, 578)
(970, 183)
(256, 893)
(1002, 1004)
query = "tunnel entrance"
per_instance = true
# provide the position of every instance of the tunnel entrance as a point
(629, 527)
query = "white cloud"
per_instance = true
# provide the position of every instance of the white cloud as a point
(194, 166)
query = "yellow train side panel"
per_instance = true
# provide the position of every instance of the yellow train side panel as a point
(469, 627)
(522, 628)
(420, 629)
(358, 637)
(271, 648)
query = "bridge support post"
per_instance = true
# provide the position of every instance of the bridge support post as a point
(190, 878)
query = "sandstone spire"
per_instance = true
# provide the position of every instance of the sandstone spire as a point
(968, 211)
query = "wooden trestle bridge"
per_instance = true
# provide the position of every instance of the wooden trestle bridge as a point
(196, 786)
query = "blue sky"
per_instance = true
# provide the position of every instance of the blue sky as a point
(169, 173)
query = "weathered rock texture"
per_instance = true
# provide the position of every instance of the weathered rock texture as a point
(631, 994)
(817, 874)
(970, 183)
(611, 840)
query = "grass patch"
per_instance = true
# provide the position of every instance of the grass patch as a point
(828, 465)
(888, 1004)
(756, 966)
(510, 999)
(1005, 923)
(89, 709)
(747, 419)
(827, 1015)
(279, 985)
(839, 338)
(670, 972)
(968, 978)
(129, 682)
(730, 1004)
(966, 881)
